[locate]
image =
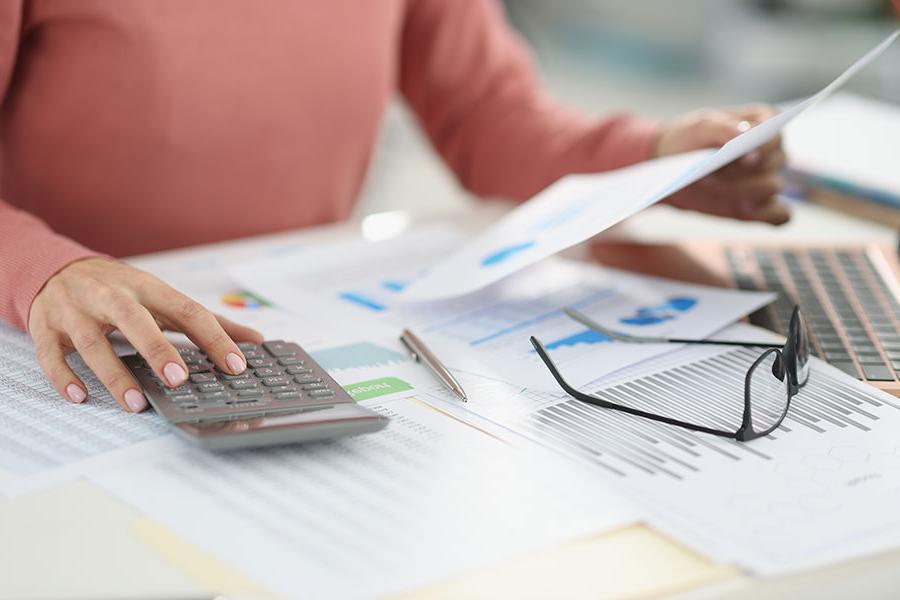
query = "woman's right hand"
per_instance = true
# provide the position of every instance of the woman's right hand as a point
(89, 299)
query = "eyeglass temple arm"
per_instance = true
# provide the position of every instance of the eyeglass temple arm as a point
(542, 353)
(638, 339)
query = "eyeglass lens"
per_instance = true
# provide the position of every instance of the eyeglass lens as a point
(768, 389)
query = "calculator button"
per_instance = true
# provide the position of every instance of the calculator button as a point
(281, 388)
(321, 393)
(210, 386)
(307, 379)
(258, 363)
(181, 390)
(188, 406)
(210, 396)
(289, 395)
(250, 393)
(290, 361)
(313, 386)
(247, 346)
(255, 353)
(227, 377)
(266, 372)
(298, 371)
(202, 377)
(275, 381)
(191, 359)
(279, 348)
(246, 384)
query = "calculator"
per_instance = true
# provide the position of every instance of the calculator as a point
(283, 397)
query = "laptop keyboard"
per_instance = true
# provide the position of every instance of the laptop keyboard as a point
(851, 312)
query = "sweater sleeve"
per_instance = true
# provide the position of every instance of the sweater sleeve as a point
(471, 84)
(30, 252)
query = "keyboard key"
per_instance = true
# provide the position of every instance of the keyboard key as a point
(275, 381)
(214, 396)
(247, 346)
(289, 395)
(306, 379)
(326, 393)
(199, 367)
(313, 386)
(869, 358)
(250, 393)
(878, 373)
(202, 377)
(298, 370)
(846, 366)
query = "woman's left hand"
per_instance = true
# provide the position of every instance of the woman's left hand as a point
(746, 189)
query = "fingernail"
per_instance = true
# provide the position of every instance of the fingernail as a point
(235, 363)
(174, 373)
(75, 393)
(744, 126)
(135, 401)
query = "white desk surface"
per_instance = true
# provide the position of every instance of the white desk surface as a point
(75, 541)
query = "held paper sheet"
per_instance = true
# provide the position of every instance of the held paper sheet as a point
(581, 206)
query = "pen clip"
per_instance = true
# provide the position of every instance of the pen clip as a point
(412, 353)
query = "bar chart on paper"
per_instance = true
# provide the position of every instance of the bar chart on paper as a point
(811, 493)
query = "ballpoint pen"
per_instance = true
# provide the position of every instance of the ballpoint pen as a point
(421, 353)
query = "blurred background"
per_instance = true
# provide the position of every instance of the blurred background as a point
(657, 58)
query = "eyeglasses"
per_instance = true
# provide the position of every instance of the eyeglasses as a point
(771, 381)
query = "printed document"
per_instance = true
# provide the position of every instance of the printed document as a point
(44, 439)
(822, 488)
(487, 332)
(581, 206)
(370, 516)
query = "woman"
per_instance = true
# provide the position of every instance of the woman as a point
(137, 125)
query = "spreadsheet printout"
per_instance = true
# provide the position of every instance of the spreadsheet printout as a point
(44, 439)
(427, 498)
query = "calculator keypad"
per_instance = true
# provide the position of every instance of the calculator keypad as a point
(280, 377)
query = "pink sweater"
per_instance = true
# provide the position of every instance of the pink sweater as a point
(130, 126)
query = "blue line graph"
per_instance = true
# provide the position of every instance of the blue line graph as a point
(378, 299)
(504, 254)
(586, 337)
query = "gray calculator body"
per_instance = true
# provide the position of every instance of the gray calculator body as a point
(283, 397)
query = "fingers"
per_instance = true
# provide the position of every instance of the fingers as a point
(752, 198)
(51, 357)
(714, 129)
(140, 328)
(238, 332)
(191, 318)
(98, 355)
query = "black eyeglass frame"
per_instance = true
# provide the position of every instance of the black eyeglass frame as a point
(786, 355)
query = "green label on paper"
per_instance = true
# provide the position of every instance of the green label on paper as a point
(374, 388)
